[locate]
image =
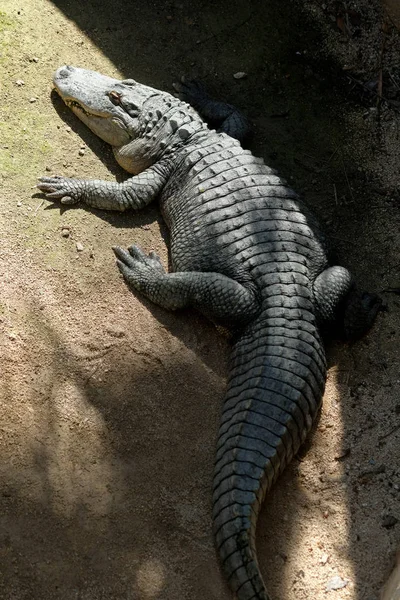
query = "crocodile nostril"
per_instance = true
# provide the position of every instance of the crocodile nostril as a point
(64, 72)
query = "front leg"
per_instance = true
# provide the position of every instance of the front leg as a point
(134, 193)
(220, 298)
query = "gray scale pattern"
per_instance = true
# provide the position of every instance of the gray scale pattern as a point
(247, 253)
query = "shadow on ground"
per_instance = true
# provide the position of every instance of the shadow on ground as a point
(128, 514)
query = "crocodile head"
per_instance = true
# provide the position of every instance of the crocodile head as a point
(126, 114)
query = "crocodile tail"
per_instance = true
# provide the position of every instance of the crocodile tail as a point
(275, 387)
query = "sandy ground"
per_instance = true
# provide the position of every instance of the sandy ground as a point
(109, 406)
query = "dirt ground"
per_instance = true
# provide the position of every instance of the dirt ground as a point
(109, 406)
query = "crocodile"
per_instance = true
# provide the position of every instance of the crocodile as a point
(248, 254)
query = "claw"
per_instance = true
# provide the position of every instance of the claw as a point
(53, 179)
(123, 256)
(45, 187)
(66, 199)
(55, 194)
(154, 256)
(123, 268)
(136, 253)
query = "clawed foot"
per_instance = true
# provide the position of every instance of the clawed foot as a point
(138, 268)
(191, 91)
(61, 188)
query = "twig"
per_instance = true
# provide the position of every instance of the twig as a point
(335, 192)
(347, 179)
(392, 106)
(332, 156)
(336, 237)
(389, 433)
(38, 206)
(396, 85)
(346, 12)
(380, 76)
(380, 86)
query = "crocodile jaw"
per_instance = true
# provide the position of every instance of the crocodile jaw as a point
(87, 94)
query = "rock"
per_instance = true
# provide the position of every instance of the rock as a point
(31, 100)
(342, 454)
(389, 521)
(336, 583)
(81, 152)
(240, 75)
(79, 247)
(65, 233)
(324, 559)
(20, 82)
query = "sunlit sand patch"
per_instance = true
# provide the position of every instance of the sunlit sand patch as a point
(151, 578)
(79, 470)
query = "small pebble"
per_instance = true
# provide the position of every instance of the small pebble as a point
(336, 583)
(48, 169)
(389, 521)
(68, 128)
(240, 75)
(65, 233)
(19, 82)
(19, 203)
(35, 59)
(324, 559)
(81, 152)
(32, 100)
(79, 247)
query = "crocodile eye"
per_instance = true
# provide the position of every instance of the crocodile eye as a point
(115, 97)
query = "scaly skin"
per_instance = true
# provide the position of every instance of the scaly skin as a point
(248, 254)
